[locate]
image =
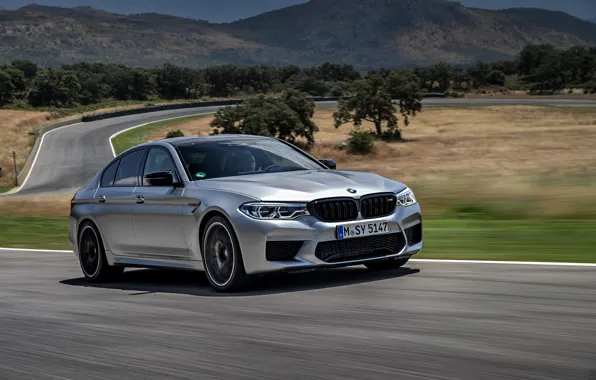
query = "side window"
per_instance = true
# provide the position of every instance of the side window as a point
(158, 160)
(128, 171)
(107, 179)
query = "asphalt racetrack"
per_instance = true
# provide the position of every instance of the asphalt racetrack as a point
(69, 157)
(426, 321)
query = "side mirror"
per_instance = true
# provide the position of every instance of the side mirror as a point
(331, 164)
(162, 179)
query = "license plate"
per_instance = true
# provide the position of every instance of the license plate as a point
(362, 229)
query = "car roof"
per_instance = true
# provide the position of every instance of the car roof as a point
(177, 141)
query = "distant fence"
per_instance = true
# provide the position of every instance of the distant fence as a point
(177, 106)
(214, 103)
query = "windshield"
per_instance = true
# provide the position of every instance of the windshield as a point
(236, 157)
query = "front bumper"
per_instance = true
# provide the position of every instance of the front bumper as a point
(253, 236)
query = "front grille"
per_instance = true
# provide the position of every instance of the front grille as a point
(360, 248)
(336, 210)
(282, 250)
(377, 206)
(414, 234)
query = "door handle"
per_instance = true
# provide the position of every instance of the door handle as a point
(140, 199)
(101, 199)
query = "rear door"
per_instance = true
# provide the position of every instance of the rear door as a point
(115, 203)
(159, 220)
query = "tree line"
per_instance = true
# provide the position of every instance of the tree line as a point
(539, 69)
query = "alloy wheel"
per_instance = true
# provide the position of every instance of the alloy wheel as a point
(89, 252)
(219, 254)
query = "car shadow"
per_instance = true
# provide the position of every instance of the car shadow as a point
(146, 281)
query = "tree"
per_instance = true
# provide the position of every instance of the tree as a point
(496, 78)
(533, 56)
(131, 84)
(175, 82)
(28, 68)
(12, 85)
(308, 84)
(371, 101)
(548, 77)
(58, 88)
(478, 74)
(404, 86)
(288, 118)
(7, 88)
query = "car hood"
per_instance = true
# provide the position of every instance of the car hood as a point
(305, 185)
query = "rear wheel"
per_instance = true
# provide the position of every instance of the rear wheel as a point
(222, 257)
(92, 256)
(387, 264)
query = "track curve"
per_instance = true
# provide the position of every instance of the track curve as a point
(68, 157)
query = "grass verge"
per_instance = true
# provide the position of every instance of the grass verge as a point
(550, 241)
(5, 188)
(38, 232)
(139, 135)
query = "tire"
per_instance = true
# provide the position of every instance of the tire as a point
(222, 258)
(92, 256)
(387, 264)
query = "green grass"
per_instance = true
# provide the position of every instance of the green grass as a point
(138, 135)
(5, 188)
(567, 241)
(41, 232)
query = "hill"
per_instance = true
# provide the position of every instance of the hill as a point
(54, 36)
(366, 34)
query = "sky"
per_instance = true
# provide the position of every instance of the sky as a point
(231, 10)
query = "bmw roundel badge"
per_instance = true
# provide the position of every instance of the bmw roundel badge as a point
(352, 191)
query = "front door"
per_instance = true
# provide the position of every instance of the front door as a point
(159, 220)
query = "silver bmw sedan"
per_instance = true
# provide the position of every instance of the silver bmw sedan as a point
(235, 206)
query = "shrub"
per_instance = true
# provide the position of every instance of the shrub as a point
(361, 142)
(173, 134)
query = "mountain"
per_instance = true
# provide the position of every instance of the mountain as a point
(417, 31)
(53, 36)
(593, 19)
(365, 33)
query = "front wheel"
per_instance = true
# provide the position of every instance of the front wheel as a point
(222, 257)
(92, 256)
(387, 264)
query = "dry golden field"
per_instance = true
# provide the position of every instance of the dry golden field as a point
(504, 162)
(509, 161)
(14, 136)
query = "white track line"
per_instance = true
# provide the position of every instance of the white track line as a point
(413, 260)
(37, 155)
(152, 122)
(32, 250)
(537, 263)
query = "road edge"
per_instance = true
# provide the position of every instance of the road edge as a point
(149, 123)
(530, 263)
(32, 157)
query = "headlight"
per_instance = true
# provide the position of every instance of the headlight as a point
(274, 211)
(406, 198)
